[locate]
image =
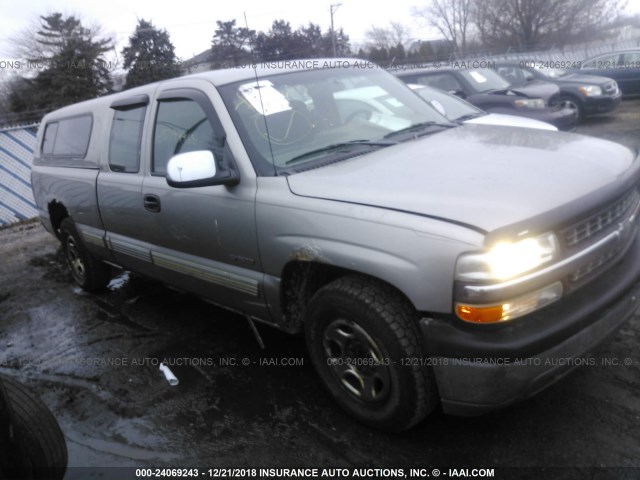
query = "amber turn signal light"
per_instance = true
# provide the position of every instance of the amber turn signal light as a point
(473, 314)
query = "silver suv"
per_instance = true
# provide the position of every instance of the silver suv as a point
(424, 261)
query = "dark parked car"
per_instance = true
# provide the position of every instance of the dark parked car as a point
(586, 94)
(623, 67)
(487, 90)
(460, 111)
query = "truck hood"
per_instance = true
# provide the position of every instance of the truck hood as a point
(501, 119)
(481, 176)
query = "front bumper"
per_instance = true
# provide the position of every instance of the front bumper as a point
(483, 369)
(602, 104)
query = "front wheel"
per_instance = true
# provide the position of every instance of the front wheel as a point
(88, 272)
(361, 336)
(572, 104)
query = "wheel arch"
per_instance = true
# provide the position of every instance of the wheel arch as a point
(301, 279)
(57, 213)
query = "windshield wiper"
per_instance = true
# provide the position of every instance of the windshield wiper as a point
(418, 127)
(335, 146)
(469, 116)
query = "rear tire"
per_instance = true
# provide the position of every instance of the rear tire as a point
(38, 445)
(88, 272)
(361, 336)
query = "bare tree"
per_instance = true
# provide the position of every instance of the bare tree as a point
(378, 37)
(389, 37)
(25, 44)
(452, 18)
(526, 24)
(400, 34)
(5, 90)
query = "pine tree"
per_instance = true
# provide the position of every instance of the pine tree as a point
(230, 46)
(150, 56)
(73, 66)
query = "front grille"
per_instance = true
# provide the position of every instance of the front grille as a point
(598, 223)
(619, 217)
(592, 266)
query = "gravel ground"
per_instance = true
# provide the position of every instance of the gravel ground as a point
(92, 358)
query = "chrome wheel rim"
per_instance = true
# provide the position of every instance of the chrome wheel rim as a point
(356, 361)
(570, 104)
(74, 260)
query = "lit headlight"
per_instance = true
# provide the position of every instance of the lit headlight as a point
(506, 260)
(529, 103)
(590, 90)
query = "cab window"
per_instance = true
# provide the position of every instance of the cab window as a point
(182, 126)
(126, 139)
(68, 137)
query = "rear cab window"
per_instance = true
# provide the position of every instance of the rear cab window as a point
(67, 138)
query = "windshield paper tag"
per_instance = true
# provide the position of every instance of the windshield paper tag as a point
(478, 77)
(264, 98)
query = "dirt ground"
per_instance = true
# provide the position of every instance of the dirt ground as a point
(93, 360)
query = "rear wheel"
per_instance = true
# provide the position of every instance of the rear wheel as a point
(88, 272)
(362, 336)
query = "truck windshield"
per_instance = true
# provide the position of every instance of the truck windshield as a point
(308, 118)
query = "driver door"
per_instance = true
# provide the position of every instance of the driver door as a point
(202, 238)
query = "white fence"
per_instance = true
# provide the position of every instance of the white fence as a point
(570, 53)
(16, 156)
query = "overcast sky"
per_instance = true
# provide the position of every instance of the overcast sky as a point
(191, 23)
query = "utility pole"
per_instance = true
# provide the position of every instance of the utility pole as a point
(332, 8)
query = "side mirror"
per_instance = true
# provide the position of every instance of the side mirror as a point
(458, 93)
(197, 169)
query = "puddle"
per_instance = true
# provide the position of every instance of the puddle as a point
(120, 449)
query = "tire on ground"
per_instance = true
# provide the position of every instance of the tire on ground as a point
(87, 271)
(37, 439)
(361, 335)
(568, 101)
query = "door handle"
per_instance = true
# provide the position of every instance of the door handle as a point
(152, 203)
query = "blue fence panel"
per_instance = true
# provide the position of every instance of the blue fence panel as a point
(16, 156)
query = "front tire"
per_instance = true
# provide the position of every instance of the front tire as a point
(361, 336)
(567, 101)
(88, 272)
